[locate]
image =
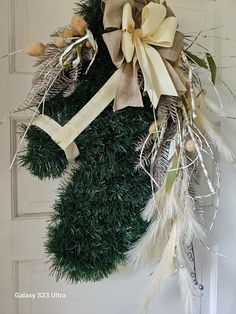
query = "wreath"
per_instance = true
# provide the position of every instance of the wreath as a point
(121, 115)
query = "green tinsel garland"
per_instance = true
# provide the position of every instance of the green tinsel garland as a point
(97, 212)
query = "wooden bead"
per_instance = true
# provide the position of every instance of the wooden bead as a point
(59, 42)
(179, 103)
(152, 128)
(67, 33)
(190, 146)
(79, 25)
(35, 49)
(88, 44)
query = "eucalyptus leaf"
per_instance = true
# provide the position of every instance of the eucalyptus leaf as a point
(171, 176)
(199, 61)
(66, 65)
(212, 67)
(78, 50)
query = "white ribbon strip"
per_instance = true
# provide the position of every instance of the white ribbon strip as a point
(65, 136)
(89, 112)
(51, 127)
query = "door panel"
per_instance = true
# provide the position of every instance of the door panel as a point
(31, 198)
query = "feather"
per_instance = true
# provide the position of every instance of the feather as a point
(151, 244)
(173, 222)
(178, 203)
(145, 144)
(185, 211)
(51, 78)
(188, 293)
(69, 90)
(168, 107)
(163, 271)
(150, 210)
(58, 31)
(156, 202)
(160, 210)
(190, 226)
(185, 282)
(204, 124)
(145, 248)
(213, 107)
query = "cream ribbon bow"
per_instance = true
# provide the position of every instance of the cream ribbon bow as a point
(156, 30)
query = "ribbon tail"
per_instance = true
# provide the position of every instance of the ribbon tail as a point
(179, 86)
(68, 133)
(128, 91)
(156, 77)
(113, 43)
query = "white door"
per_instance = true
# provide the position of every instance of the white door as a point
(25, 201)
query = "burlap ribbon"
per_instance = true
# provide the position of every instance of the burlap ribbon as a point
(147, 39)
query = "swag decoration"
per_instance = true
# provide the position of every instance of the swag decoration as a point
(147, 152)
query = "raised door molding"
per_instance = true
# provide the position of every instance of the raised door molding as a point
(34, 20)
(31, 197)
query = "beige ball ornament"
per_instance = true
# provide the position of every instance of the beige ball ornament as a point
(79, 25)
(88, 44)
(35, 49)
(190, 146)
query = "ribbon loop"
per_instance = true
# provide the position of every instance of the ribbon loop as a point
(128, 27)
(153, 16)
(155, 30)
